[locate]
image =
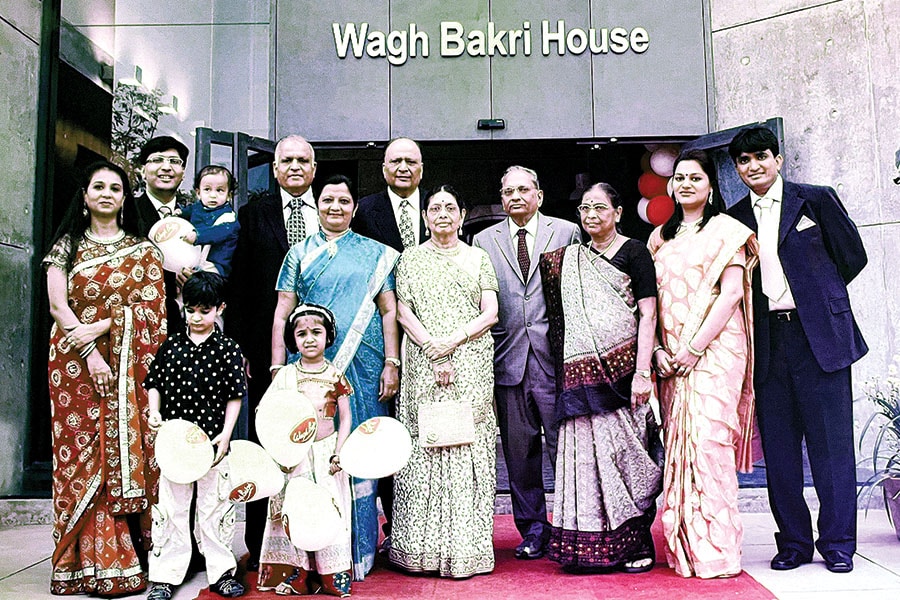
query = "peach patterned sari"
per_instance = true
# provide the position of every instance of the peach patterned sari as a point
(708, 414)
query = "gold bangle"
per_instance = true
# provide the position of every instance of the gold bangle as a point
(274, 368)
(390, 360)
(441, 361)
(693, 350)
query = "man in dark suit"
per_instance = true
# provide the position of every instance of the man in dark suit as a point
(164, 159)
(393, 216)
(805, 341)
(267, 225)
(524, 375)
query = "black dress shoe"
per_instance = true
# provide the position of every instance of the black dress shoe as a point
(530, 548)
(789, 559)
(838, 561)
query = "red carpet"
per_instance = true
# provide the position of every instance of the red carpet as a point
(540, 579)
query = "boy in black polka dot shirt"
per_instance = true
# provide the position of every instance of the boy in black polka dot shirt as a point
(197, 376)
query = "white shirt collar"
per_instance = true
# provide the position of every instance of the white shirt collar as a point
(306, 197)
(157, 203)
(413, 199)
(775, 193)
(530, 227)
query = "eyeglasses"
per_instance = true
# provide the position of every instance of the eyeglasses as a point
(509, 191)
(157, 161)
(585, 209)
(435, 209)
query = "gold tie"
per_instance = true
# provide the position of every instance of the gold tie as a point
(773, 282)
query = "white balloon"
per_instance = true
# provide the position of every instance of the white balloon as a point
(184, 452)
(177, 253)
(642, 209)
(662, 161)
(378, 448)
(253, 473)
(310, 515)
(286, 426)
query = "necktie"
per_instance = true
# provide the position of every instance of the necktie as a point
(524, 259)
(296, 227)
(773, 283)
(164, 211)
(406, 228)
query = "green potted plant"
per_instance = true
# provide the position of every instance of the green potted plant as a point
(883, 427)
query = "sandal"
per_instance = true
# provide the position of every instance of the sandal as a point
(638, 565)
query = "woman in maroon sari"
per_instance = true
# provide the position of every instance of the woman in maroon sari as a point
(105, 286)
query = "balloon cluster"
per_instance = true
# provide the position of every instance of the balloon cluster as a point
(655, 184)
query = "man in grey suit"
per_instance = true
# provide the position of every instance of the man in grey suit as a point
(523, 367)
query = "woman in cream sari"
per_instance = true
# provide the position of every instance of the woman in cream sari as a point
(704, 260)
(352, 276)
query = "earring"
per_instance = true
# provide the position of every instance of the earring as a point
(427, 232)
(84, 211)
(710, 199)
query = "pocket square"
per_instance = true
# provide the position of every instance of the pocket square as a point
(805, 223)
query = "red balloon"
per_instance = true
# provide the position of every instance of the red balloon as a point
(660, 209)
(652, 185)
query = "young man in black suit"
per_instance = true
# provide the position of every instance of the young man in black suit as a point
(805, 341)
(164, 160)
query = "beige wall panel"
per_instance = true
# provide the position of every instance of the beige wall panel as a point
(663, 91)
(440, 97)
(883, 27)
(240, 79)
(19, 65)
(879, 320)
(729, 13)
(317, 94)
(811, 68)
(542, 96)
(24, 15)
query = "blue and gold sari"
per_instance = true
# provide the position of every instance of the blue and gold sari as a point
(345, 275)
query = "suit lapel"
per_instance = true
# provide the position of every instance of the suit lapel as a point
(273, 213)
(502, 239)
(790, 208)
(542, 240)
(387, 221)
(743, 212)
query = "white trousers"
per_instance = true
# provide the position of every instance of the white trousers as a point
(213, 527)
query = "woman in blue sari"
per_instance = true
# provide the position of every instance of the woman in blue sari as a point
(352, 276)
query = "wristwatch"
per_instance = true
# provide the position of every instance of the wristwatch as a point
(392, 361)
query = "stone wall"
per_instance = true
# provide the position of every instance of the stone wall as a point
(832, 71)
(20, 34)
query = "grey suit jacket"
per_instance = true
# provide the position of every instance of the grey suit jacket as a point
(522, 320)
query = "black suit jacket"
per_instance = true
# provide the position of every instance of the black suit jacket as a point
(375, 219)
(261, 248)
(147, 216)
(821, 252)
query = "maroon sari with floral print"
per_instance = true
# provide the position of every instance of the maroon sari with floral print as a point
(103, 464)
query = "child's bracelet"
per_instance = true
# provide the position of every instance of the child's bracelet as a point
(335, 458)
(274, 368)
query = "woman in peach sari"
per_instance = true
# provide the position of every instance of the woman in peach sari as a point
(704, 260)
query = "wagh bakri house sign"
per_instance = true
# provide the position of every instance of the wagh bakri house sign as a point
(452, 39)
